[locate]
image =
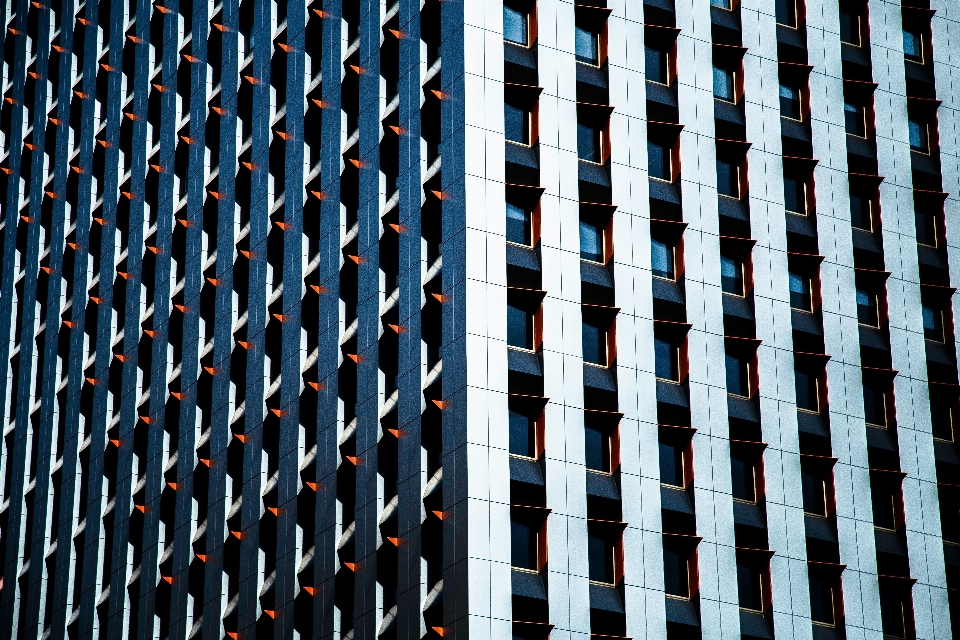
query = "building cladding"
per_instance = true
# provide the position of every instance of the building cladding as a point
(524, 318)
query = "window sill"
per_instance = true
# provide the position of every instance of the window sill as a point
(594, 364)
(525, 145)
(521, 349)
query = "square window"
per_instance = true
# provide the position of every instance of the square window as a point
(591, 242)
(588, 143)
(807, 384)
(749, 586)
(913, 46)
(932, 323)
(724, 86)
(800, 292)
(666, 360)
(738, 376)
(594, 344)
(919, 136)
(728, 179)
(676, 571)
(671, 464)
(850, 28)
(855, 119)
(795, 195)
(596, 447)
(656, 63)
(600, 553)
(516, 124)
(786, 12)
(523, 440)
(926, 228)
(731, 275)
(790, 102)
(587, 46)
(518, 225)
(658, 161)
(662, 259)
(523, 545)
(814, 492)
(861, 212)
(867, 309)
(515, 26)
(744, 479)
(519, 328)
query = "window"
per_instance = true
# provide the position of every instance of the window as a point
(861, 211)
(787, 13)
(589, 143)
(795, 195)
(738, 376)
(884, 493)
(731, 275)
(814, 487)
(807, 384)
(591, 242)
(896, 612)
(823, 599)
(666, 360)
(913, 46)
(875, 404)
(523, 545)
(850, 28)
(519, 328)
(749, 585)
(658, 161)
(743, 472)
(728, 179)
(657, 68)
(663, 259)
(596, 448)
(516, 124)
(518, 225)
(594, 344)
(919, 136)
(932, 322)
(587, 46)
(515, 26)
(676, 570)
(867, 309)
(941, 418)
(600, 553)
(671, 464)
(523, 439)
(721, 4)
(926, 228)
(724, 86)
(790, 106)
(855, 119)
(800, 292)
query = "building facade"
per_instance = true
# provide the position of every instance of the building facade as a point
(479, 318)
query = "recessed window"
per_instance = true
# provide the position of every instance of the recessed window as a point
(919, 136)
(926, 228)
(808, 390)
(591, 242)
(516, 124)
(720, 4)
(516, 26)
(801, 298)
(587, 46)
(523, 545)
(896, 612)
(932, 322)
(663, 259)
(656, 63)
(855, 119)
(795, 195)
(884, 494)
(724, 84)
(814, 487)
(738, 375)
(743, 473)
(518, 225)
(671, 464)
(601, 556)
(913, 46)
(850, 28)
(594, 344)
(731, 275)
(589, 143)
(861, 212)
(867, 308)
(790, 106)
(750, 585)
(519, 328)
(787, 13)
(728, 179)
(523, 440)
(676, 571)
(875, 404)
(823, 599)
(596, 448)
(666, 360)
(941, 418)
(658, 161)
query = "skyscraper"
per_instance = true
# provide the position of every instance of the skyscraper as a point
(479, 319)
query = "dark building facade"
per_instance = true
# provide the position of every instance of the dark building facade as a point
(297, 344)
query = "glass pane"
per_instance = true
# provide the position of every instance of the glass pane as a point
(738, 378)
(519, 328)
(731, 275)
(601, 559)
(874, 405)
(941, 418)
(808, 391)
(587, 46)
(821, 600)
(750, 587)
(787, 12)
(594, 344)
(728, 179)
(591, 242)
(867, 308)
(723, 4)
(912, 46)
(854, 119)
(522, 435)
(850, 28)
(516, 124)
(518, 224)
(656, 65)
(744, 483)
(662, 259)
(814, 493)
(790, 102)
(588, 143)
(800, 292)
(932, 323)
(671, 464)
(514, 26)
(926, 228)
(884, 510)
(861, 212)
(794, 196)
(658, 161)
(919, 140)
(892, 613)
(523, 545)
(596, 445)
(675, 577)
(666, 360)
(723, 86)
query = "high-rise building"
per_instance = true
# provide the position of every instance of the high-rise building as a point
(335, 319)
